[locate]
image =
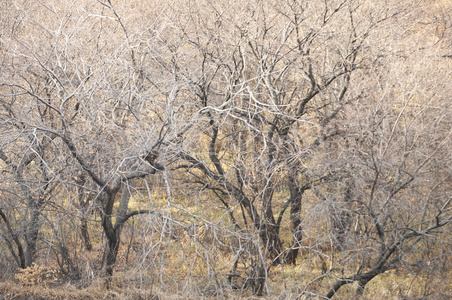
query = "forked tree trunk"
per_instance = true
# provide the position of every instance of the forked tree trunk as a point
(113, 234)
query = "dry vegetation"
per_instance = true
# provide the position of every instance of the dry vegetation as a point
(282, 149)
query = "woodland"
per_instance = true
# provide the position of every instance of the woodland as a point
(225, 149)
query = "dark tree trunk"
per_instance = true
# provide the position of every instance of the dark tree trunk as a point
(362, 279)
(109, 256)
(85, 234)
(31, 233)
(113, 233)
(20, 256)
(296, 194)
(269, 234)
(269, 230)
(260, 281)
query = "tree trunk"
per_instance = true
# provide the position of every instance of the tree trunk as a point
(269, 234)
(109, 256)
(114, 233)
(296, 194)
(362, 280)
(31, 233)
(85, 234)
(83, 205)
(20, 256)
(269, 230)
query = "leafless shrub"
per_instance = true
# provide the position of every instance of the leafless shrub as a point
(203, 147)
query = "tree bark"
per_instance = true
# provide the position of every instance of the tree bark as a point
(31, 231)
(296, 194)
(114, 233)
(20, 256)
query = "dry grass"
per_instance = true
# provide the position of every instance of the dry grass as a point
(11, 290)
(285, 283)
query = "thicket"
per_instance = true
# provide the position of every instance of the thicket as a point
(286, 148)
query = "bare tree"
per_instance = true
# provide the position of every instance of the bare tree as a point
(270, 129)
(108, 127)
(389, 190)
(268, 98)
